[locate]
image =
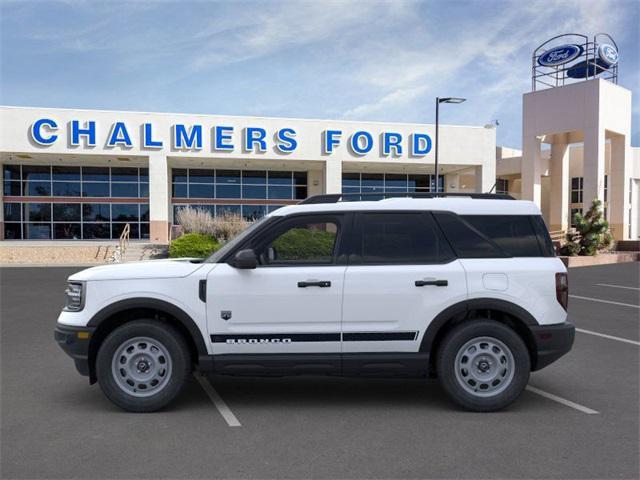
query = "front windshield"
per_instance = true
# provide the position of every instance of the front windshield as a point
(215, 258)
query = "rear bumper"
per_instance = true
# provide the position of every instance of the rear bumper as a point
(75, 343)
(552, 342)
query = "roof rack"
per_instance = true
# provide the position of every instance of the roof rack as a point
(372, 196)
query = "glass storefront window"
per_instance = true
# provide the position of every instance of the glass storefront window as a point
(74, 219)
(229, 186)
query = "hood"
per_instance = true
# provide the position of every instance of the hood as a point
(174, 268)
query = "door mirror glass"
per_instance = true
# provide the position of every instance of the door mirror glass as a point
(245, 259)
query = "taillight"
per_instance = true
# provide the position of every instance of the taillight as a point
(562, 289)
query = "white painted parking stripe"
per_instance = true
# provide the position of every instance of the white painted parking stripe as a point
(605, 301)
(219, 403)
(616, 286)
(563, 401)
(610, 337)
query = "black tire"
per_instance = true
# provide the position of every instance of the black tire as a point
(175, 347)
(452, 374)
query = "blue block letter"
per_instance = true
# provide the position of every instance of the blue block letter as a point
(119, 136)
(392, 140)
(183, 139)
(222, 136)
(331, 140)
(147, 138)
(355, 142)
(37, 134)
(421, 144)
(286, 142)
(89, 131)
(253, 136)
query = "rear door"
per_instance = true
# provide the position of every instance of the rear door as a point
(401, 274)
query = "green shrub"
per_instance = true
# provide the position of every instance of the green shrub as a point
(195, 245)
(302, 243)
(591, 235)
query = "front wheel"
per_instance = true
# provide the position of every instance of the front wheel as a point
(143, 365)
(483, 365)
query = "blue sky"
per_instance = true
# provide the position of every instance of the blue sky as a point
(355, 60)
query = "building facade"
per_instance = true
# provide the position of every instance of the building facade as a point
(85, 174)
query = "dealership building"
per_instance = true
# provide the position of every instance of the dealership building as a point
(85, 174)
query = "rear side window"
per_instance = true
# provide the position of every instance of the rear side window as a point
(399, 238)
(466, 240)
(544, 239)
(515, 234)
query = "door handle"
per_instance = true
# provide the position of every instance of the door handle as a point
(436, 283)
(314, 283)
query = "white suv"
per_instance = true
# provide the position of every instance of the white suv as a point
(465, 288)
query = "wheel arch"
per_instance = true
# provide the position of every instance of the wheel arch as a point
(123, 311)
(502, 311)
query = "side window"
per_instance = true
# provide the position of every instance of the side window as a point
(399, 238)
(544, 239)
(512, 233)
(301, 241)
(465, 239)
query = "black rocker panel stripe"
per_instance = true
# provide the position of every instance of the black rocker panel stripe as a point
(378, 336)
(316, 337)
(290, 337)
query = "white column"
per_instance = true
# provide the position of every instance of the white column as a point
(531, 169)
(332, 176)
(159, 198)
(593, 164)
(559, 168)
(452, 182)
(315, 182)
(485, 176)
(619, 189)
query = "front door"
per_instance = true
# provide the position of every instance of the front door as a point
(291, 303)
(401, 274)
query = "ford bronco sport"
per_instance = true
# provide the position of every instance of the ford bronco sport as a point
(465, 288)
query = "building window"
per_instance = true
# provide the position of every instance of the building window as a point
(232, 191)
(502, 186)
(98, 202)
(389, 183)
(573, 212)
(576, 189)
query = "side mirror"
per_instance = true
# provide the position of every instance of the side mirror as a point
(245, 259)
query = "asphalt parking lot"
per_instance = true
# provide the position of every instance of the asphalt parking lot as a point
(579, 419)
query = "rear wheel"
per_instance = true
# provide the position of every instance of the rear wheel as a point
(483, 365)
(143, 365)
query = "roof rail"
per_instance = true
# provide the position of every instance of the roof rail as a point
(372, 196)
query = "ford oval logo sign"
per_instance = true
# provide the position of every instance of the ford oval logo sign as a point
(608, 54)
(560, 55)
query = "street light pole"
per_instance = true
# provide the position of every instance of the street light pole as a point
(437, 142)
(438, 102)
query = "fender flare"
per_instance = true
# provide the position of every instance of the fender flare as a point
(459, 311)
(152, 303)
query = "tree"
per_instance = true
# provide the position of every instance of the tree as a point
(592, 233)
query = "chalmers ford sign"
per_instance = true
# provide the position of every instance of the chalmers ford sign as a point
(220, 138)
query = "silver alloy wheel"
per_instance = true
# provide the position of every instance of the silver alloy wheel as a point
(484, 366)
(141, 366)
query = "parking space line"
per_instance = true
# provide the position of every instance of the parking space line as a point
(616, 286)
(563, 401)
(605, 301)
(610, 337)
(217, 400)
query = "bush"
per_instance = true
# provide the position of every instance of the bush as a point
(223, 227)
(195, 245)
(592, 233)
(302, 243)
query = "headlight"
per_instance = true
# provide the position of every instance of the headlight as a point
(74, 298)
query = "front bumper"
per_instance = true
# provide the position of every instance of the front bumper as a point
(75, 343)
(552, 342)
